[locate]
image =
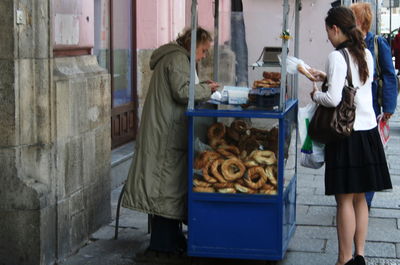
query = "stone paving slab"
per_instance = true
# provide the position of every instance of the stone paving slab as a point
(384, 213)
(315, 232)
(299, 244)
(372, 249)
(315, 219)
(316, 200)
(304, 258)
(384, 262)
(383, 230)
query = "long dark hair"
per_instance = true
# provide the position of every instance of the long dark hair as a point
(344, 19)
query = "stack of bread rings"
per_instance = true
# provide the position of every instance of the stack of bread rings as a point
(237, 164)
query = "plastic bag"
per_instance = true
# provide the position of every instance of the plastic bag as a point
(312, 154)
(383, 129)
(295, 65)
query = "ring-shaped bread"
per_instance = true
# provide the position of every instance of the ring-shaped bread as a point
(256, 177)
(263, 157)
(216, 130)
(203, 189)
(232, 169)
(228, 151)
(206, 174)
(215, 170)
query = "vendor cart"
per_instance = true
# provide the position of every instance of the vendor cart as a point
(242, 202)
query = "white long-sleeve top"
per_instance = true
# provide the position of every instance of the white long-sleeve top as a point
(336, 70)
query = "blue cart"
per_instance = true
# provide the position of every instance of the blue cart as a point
(240, 225)
(255, 222)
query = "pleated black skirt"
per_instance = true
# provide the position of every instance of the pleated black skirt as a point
(356, 164)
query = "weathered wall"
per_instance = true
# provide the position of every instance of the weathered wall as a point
(82, 149)
(54, 141)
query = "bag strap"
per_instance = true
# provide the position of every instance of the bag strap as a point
(376, 51)
(346, 58)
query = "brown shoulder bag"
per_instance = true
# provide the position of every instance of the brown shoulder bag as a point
(332, 124)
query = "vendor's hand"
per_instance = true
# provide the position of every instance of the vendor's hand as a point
(212, 85)
(314, 89)
(318, 74)
(386, 116)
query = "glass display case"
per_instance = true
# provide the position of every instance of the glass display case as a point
(242, 167)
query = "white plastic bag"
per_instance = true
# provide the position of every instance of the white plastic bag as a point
(312, 154)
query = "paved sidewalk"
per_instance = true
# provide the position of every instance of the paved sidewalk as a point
(314, 242)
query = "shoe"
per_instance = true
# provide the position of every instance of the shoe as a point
(150, 256)
(359, 260)
(350, 262)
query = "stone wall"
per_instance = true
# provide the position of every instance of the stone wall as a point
(82, 149)
(54, 141)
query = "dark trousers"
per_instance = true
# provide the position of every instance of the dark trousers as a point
(369, 196)
(166, 235)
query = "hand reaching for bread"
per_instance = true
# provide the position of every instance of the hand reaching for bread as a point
(303, 70)
(318, 74)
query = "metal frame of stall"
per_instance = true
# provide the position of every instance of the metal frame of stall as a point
(243, 226)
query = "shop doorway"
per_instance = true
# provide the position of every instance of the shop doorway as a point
(123, 71)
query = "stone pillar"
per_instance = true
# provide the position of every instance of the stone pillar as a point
(54, 141)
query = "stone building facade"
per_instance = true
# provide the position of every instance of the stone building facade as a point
(55, 140)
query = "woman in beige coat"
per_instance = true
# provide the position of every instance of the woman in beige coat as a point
(157, 180)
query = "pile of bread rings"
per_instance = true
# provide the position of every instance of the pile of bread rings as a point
(270, 79)
(237, 163)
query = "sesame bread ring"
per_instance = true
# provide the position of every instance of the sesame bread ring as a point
(227, 190)
(268, 192)
(216, 130)
(204, 157)
(263, 157)
(206, 174)
(203, 189)
(231, 133)
(200, 183)
(256, 177)
(244, 189)
(216, 142)
(250, 163)
(215, 166)
(269, 170)
(240, 126)
(223, 185)
(228, 151)
(268, 189)
(232, 169)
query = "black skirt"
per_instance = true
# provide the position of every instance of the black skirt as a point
(356, 164)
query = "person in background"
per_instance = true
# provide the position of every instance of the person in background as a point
(396, 50)
(363, 14)
(355, 164)
(157, 179)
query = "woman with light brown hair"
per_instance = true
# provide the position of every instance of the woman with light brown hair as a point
(384, 96)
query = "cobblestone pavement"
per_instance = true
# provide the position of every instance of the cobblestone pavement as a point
(314, 242)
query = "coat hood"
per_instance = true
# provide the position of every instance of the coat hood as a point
(164, 50)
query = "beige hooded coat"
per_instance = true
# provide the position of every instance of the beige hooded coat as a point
(157, 179)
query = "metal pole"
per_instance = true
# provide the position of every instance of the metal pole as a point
(296, 43)
(216, 40)
(282, 104)
(193, 55)
(390, 21)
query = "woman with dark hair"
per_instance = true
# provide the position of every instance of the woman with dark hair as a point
(157, 179)
(356, 164)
